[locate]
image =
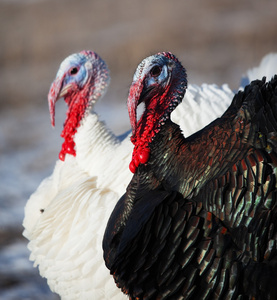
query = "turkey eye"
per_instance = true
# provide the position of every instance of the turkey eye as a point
(74, 71)
(155, 71)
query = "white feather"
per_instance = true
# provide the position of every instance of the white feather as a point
(267, 68)
(200, 106)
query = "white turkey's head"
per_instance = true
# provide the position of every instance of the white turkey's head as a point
(81, 80)
(159, 82)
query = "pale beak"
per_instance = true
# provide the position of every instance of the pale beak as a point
(133, 102)
(57, 91)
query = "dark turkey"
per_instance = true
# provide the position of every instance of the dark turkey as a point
(198, 220)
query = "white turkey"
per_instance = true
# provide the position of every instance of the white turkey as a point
(66, 216)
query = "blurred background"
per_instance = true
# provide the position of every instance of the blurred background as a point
(216, 40)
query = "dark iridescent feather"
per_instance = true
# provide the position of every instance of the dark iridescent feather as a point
(198, 221)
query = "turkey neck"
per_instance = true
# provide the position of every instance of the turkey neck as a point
(93, 139)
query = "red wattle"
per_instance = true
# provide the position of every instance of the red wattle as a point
(70, 148)
(132, 167)
(62, 156)
(144, 155)
(77, 105)
(136, 160)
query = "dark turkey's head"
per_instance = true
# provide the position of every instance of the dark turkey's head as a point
(81, 80)
(160, 83)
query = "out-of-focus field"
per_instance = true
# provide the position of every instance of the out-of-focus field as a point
(216, 40)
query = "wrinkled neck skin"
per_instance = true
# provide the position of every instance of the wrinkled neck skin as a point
(77, 109)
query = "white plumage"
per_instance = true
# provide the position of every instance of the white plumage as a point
(267, 68)
(200, 106)
(66, 216)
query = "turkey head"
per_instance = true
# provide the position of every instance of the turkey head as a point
(81, 80)
(160, 83)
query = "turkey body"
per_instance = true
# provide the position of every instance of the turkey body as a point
(65, 217)
(198, 219)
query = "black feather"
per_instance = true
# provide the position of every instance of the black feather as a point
(199, 220)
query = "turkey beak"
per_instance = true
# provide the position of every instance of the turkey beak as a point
(134, 100)
(57, 91)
